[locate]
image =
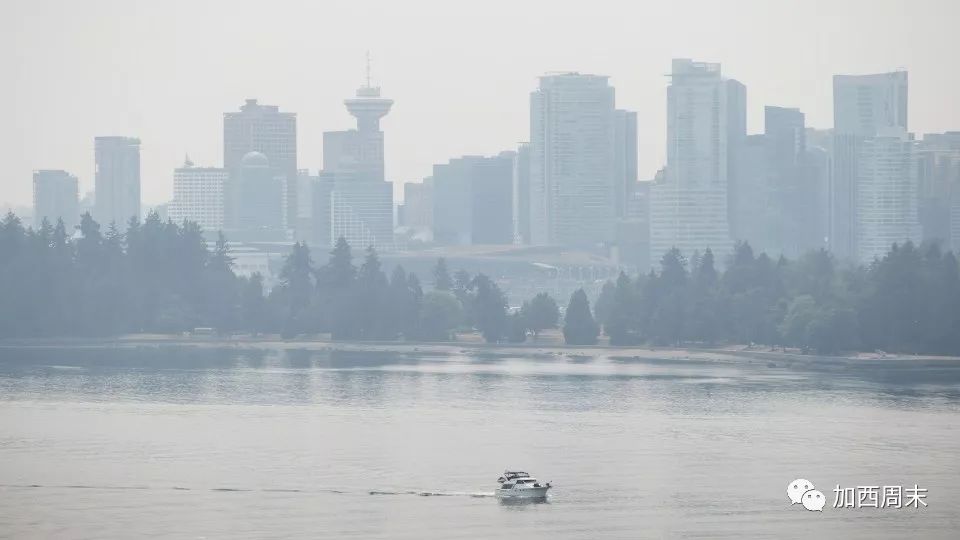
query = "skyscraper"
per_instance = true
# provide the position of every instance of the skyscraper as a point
(754, 212)
(361, 200)
(886, 194)
(417, 209)
(360, 150)
(55, 197)
(706, 125)
(863, 106)
(263, 129)
(521, 195)
(938, 166)
(362, 213)
(199, 196)
(572, 165)
(260, 209)
(117, 180)
(625, 158)
(473, 200)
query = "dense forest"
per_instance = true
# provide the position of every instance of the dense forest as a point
(161, 277)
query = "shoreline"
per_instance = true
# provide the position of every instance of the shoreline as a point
(724, 354)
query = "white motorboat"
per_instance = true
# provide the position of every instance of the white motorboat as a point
(520, 485)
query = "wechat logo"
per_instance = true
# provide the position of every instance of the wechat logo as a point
(803, 492)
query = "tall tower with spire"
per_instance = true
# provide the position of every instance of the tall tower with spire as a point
(368, 107)
(356, 196)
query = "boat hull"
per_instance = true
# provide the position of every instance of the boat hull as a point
(527, 493)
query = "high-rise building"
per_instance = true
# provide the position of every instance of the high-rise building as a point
(633, 229)
(863, 106)
(361, 200)
(706, 127)
(796, 184)
(263, 129)
(625, 158)
(199, 195)
(321, 228)
(362, 213)
(938, 168)
(360, 150)
(816, 196)
(473, 200)
(303, 218)
(117, 180)
(55, 197)
(521, 195)
(417, 209)
(261, 214)
(572, 164)
(886, 194)
(754, 214)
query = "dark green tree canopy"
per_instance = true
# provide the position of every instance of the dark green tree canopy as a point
(579, 328)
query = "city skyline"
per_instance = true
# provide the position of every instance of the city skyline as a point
(157, 99)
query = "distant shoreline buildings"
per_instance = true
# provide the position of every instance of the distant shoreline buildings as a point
(853, 189)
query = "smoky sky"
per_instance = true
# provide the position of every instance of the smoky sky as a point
(460, 72)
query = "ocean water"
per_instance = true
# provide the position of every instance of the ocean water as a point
(231, 443)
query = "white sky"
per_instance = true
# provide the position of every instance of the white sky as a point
(460, 72)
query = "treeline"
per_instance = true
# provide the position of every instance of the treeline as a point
(161, 277)
(906, 302)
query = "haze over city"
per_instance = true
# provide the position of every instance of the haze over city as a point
(490, 269)
(460, 74)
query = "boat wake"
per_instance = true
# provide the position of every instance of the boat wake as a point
(419, 493)
(436, 493)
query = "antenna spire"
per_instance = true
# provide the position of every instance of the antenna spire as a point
(368, 68)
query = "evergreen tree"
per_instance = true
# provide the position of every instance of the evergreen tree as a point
(489, 307)
(540, 314)
(623, 321)
(370, 298)
(579, 328)
(402, 304)
(604, 305)
(410, 324)
(440, 314)
(517, 324)
(441, 276)
(668, 318)
(253, 306)
(336, 310)
(220, 292)
(703, 321)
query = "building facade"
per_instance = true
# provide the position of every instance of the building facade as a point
(625, 158)
(362, 213)
(521, 195)
(417, 209)
(354, 191)
(199, 195)
(264, 129)
(117, 180)
(863, 106)
(473, 200)
(938, 168)
(886, 194)
(572, 165)
(55, 197)
(706, 127)
(261, 200)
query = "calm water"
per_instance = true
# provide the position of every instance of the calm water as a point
(191, 443)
